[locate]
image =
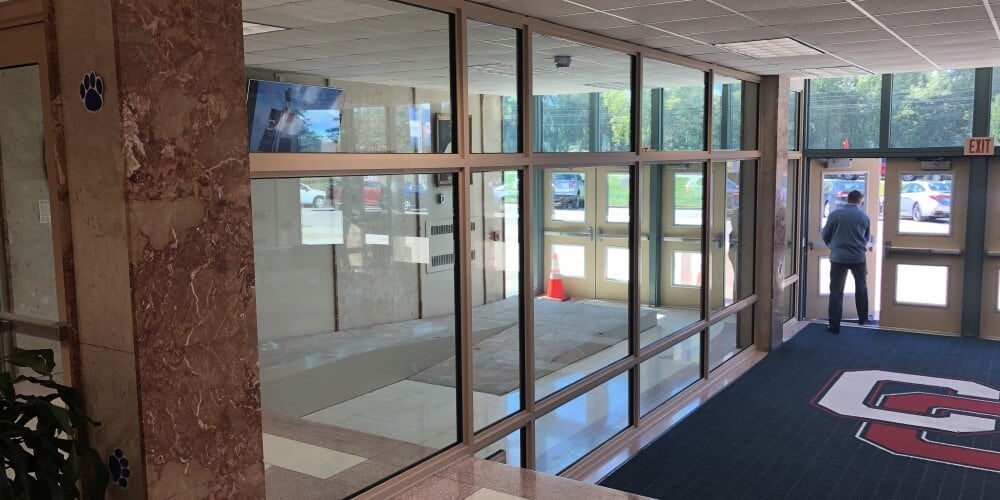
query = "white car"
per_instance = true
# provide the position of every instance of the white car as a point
(311, 197)
(924, 200)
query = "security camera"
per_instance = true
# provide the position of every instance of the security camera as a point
(562, 61)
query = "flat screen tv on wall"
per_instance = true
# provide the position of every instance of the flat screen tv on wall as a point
(292, 118)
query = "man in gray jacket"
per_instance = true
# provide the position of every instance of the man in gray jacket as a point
(846, 234)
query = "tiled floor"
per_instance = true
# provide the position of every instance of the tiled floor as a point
(472, 478)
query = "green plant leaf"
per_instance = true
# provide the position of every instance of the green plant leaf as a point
(42, 361)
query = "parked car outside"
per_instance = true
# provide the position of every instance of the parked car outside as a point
(835, 193)
(375, 194)
(311, 197)
(568, 189)
(925, 200)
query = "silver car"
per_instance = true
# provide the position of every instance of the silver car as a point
(925, 200)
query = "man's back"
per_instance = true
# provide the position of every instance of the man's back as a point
(847, 233)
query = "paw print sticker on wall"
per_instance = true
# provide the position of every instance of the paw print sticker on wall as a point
(92, 92)
(118, 468)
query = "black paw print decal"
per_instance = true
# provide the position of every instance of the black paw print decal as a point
(92, 92)
(118, 468)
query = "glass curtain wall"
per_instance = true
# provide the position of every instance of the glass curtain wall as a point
(364, 266)
(844, 112)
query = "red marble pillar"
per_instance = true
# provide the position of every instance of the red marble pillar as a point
(158, 190)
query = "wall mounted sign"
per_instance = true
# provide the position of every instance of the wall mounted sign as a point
(118, 468)
(92, 92)
(979, 146)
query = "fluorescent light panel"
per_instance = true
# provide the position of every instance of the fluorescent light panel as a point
(774, 47)
(256, 29)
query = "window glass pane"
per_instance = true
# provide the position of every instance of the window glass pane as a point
(925, 203)
(673, 107)
(668, 373)
(995, 105)
(790, 292)
(368, 76)
(575, 429)
(687, 269)
(618, 193)
(836, 187)
(496, 249)
(582, 273)
(727, 113)
(569, 194)
(844, 112)
(793, 121)
(729, 336)
(922, 285)
(28, 260)
(824, 279)
(931, 109)
(582, 97)
(493, 87)
(506, 451)
(356, 288)
(671, 259)
(786, 202)
(732, 232)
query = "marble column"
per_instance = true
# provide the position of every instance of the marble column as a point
(773, 126)
(157, 189)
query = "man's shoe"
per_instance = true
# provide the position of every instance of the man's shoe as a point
(862, 322)
(835, 332)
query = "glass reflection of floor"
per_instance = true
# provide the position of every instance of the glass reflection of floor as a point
(422, 417)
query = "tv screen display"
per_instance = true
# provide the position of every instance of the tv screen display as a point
(292, 118)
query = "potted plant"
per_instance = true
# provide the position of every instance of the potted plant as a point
(43, 443)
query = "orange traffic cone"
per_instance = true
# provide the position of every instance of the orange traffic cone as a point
(555, 291)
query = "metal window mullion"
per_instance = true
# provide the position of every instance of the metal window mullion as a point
(635, 263)
(885, 112)
(975, 229)
(595, 121)
(709, 118)
(706, 264)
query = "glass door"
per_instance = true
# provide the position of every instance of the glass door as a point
(923, 248)
(612, 250)
(828, 189)
(570, 235)
(681, 279)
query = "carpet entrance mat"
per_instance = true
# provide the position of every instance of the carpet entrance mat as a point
(863, 414)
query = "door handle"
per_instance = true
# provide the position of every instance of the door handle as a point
(888, 249)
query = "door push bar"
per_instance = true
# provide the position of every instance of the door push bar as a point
(993, 253)
(589, 233)
(888, 249)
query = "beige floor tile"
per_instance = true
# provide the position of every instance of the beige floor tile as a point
(306, 458)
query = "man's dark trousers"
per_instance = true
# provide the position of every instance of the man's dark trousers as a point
(838, 276)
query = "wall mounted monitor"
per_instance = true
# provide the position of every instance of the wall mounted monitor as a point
(292, 118)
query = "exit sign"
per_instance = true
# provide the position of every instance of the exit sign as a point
(979, 146)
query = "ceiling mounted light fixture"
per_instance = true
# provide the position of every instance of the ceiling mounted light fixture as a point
(774, 47)
(256, 29)
(562, 61)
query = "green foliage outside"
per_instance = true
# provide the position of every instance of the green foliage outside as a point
(932, 108)
(844, 109)
(995, 105)
(688, 191)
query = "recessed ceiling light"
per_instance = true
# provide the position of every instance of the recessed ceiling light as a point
(256, 29)
(834, 72)
(775, 47)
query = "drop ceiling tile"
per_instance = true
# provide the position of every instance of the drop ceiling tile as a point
(708, 24)
(744, 35)
(293, 38)
(975, 36)
(257, 60)
(821, 40)
(547, 9)
(489, 32)
(252, 45)
(934, 16)
(959, 27)
(300, 53)
(806, 14)
(617, 4)
(260, 4)
(722, 57)
(693, 50)
(631, 33)
(665, 41)
(871, 45)
(294, 15)
(962, 50)
(825, 27)
(591, 21)
(758, 5)
(877, 7)
(675, 11)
